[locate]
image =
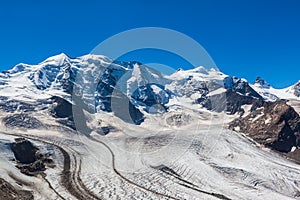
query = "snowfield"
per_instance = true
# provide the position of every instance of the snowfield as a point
(196, 161)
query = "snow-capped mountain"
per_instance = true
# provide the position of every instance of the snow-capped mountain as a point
(92, 77)
(271, 94)
(100, 82)
(262, 83)
(59, 75)
(104, 129)
(96, 79)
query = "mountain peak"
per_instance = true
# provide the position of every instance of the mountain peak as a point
(57, 59)
(259, 81)
(96, 57)
(200, 69)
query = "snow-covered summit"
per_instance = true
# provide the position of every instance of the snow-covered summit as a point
(57, 59)
(51, 77)
(270, 93)
(94, 77)
(260, 82)
(200, 73)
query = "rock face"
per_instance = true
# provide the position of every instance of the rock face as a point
(68, 113)
(135, 81)
(274, 124)
(33, 168)
(24, 151)
(294, 155)
(63, 108)
(262, 83)
(31, 161)
(240, 86)
(235, 101)
(231, 102)
(9, 192)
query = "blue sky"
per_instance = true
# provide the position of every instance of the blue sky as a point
(245, 38)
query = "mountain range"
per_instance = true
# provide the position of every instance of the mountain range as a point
(68, 107)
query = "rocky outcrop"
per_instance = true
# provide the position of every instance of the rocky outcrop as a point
(9, 192)
(25, 152)
(32, 168)
(235, 102)
(240, 86)
(62, 107)
(73, 115)
(68, 114)
(231, 102)
(30, 160)
(178, 119)
(261, 82)
(274, 124)
(24, 121)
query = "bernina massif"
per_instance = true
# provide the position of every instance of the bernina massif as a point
(92, 128)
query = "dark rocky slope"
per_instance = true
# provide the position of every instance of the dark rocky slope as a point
(9, 192)
(273, 124)
(30, 160)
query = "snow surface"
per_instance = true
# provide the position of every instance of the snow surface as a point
(206, 155)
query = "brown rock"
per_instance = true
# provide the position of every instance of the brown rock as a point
(275, 124)
(8, 192)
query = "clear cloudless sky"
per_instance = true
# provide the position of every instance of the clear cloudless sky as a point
(245, 38)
